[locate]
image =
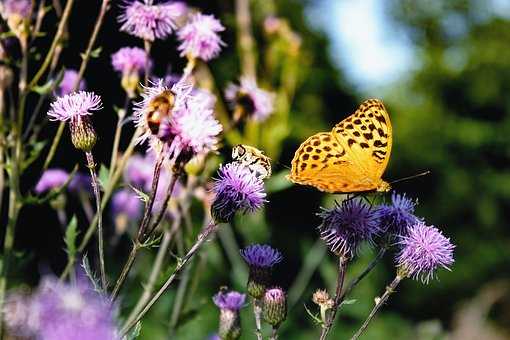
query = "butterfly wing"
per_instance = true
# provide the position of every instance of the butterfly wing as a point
(367, 136)
(352, 158)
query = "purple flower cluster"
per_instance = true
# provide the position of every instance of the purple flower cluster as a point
(261, 255)
(199, 37)
(126, 202)
(348, 224)
(75, 105)
(68, 82)
(396, 218)
(423, 250)
(61, 311)
(130, 60)
(236, 189)
(257, 103)
(231, 300)
(149, 21)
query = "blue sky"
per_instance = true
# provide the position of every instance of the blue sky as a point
(365, 45)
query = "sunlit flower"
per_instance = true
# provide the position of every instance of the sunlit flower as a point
(68, 82)
(321, 297)
(199, 37)
(423, 250)
(250, 100)
(236, 189)
(348, 224)
(51, 179)
(150, 21)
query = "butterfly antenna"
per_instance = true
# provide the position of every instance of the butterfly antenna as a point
(411, 177)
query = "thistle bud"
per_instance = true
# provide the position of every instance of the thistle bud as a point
(83, 135)
(274, 308)
(230, 323)
(322, 298)
(260, 259)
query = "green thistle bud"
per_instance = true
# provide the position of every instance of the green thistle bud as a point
(258, 280)
(83, 135)
(274, 309)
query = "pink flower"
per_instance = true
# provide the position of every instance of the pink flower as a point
(255, 102)
(129, 60)
(75, 105)
(199, 37)
(68, 82)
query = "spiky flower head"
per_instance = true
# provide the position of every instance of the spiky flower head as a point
(51, 179)
(422, 251)
(148, 21)
(397, 217)
(247, 99)
(130, 62)
(229, 303)
(321, 297)
(236, 189)
(76, 108)
(71, 311)
(66, 85)
(274, 306)
(199, 37)
(260, 258)
(348, 224)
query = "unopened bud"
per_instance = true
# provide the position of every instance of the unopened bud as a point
(274, 308)
(83, 135)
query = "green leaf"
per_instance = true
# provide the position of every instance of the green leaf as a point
(104, 175)
(70, 237)
(278, 182)
(313, 316)
(44, 89)
(134, 333)
(33, 154)
(349, 302)
(94, 53)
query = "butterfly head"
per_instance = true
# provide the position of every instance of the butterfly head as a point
(384, 187)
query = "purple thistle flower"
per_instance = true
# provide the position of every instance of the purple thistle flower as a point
(64, 311)
(139, 170)
(149, 22)
(261, 255)
(236, 189)
(231, 300)
(348, 224)
(126, 202)
(20, 8)
(199, 37)
(130, 60)
(51, 179)
(423, 251)
(66, 85)
(396, 218)
(252, 100)
(74, 106)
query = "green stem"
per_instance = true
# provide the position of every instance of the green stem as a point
(245, 39)
(389, 290)
(116, 139)
(274, 333)
(257, 312)
(179, 298)
(106, 196)
(342, 268)
(95, 185)
(202, 237)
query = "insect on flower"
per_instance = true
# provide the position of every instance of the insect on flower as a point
(254, 159)
(158, 109)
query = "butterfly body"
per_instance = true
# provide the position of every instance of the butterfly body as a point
(254, 159)
(351, 157)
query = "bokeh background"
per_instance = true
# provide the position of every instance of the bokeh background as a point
(443, 70)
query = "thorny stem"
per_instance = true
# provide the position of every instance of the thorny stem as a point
(342, 268)
(106, 196)
(137, 243)
(379, 302)
(95, 186)
(81, 72)
(365, 272)
(148, 288)
(257, 312)
(148, 46)
(202, 237)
